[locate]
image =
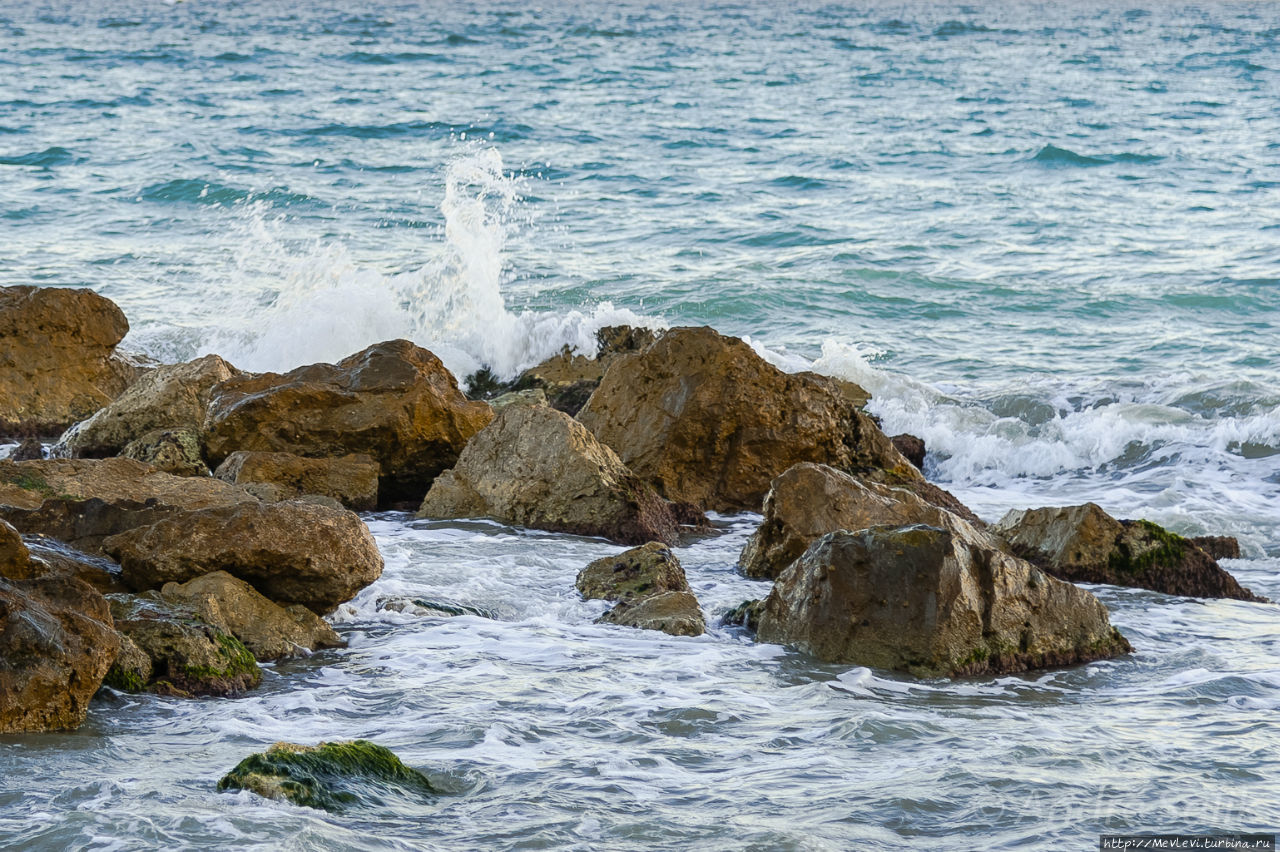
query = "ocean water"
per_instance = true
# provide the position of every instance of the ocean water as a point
(1045, 236)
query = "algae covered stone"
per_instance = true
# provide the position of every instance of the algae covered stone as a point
(328, 776)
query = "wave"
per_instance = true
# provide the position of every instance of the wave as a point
(189, 191)
(46, 159)
(1052, 155)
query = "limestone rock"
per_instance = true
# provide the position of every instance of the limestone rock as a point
(708, 421)
(636, 573)
(539, 468)
(175, 451)
(932, 601)
(533, 396)
(1086, 545)
(393, 401)
(676, 613)
(171, 397)
(58, 362)
(50, 557)
(293, 552)
(351, 480)
(15, 559)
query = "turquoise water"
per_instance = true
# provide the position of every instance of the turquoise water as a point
(1046, 236)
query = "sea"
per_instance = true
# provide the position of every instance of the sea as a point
(1045, 236)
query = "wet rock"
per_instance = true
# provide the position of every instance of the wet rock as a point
(330, 776)
(393, 401)
(430, 608)
(29, 450)
(911, 447)
(636, 573)
(533, 396)
(1218, 546)
(56, 645)
(1084, 544)
(350, 480)
(175, 451)
(188, 656)
(15, 559)
(932, 601)
(293, 552)
(267, 630)
(708, 421)
(169, 398)
(58, 359)
(132, 669)
(50, 557)
(538, 467)
(675, 613)
(745, 615)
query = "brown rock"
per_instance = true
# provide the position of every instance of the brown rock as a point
(57, 358)
(351, 480)
(707, 421)
(15, 559)
(1218, 546)
(540, 468)
(911, 447)
(676, 613)
(568, 379)
(393, 401)
(29, 450)
(175, 451)
(294, 552)
(636, 573)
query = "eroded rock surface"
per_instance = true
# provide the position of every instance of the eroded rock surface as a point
(351, 480)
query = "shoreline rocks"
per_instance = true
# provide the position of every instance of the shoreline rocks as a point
(650, 587)
(352, 480)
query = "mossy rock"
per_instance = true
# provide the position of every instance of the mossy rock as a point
(745, 615)
(329, 776)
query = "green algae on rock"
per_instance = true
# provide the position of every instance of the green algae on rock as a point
(328, 776)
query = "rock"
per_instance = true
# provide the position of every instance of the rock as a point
(533, 396)
(912, 449)
(393, 401)
(932, 601)
(294, 552)
(58, 362)
(707, 421)
(351, 480)
(168, 398)
(82, 501)
(132, 669)
(636, 573)
(810, 500)
(330, 776)
(15, 559)
(29, 450)
(188, 656)
(1084, 544)
(745, 615)
(1218, 546)
(569, 379)
(56, 645)
(676, 613)
(175, 451)
(268, 631)
(50, 557)
(429, 608)
(538, 467)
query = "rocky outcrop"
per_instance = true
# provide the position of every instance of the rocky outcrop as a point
(329, 776)
(184, 655)
(538, 467)
(706, 420)
(651, 588)
(674, 613)
(175, 451)
(393, 401)
(56, 645)
(171, 397)
(932, 601)
(267, 630)
(292, 552)
(1218, 546)
(568, 379)
(58, 362)
(1084, 544)
(351, 480)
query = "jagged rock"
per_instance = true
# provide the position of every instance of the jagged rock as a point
(1218, 546)
(82, 501)
(187, 655)
(132, 669)
(168, 398)
(569, 379)
(175, 451)
(932, 601)
(708, 421)
(15, 559)
(56, 645)
(50, 557)
(350, 480)
(393, 401)
(29, 450)
(330, 776)
(745, 614)
(540, 468)
(912, 449)
(1084, 544)
(292, 552)
(533, 396)
(636, 573)
(58, 362)
(676, 613)
(267, 630)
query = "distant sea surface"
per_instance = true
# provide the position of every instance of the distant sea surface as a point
(1046, 237)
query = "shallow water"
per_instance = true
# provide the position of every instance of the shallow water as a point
(1044, 236)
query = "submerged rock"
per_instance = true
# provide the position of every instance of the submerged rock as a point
(328, 776)
(540, 468)
(708, 421)
(651, 588)
(58, 362)
(393, 401)
(175, 451)
(675, 613)
(1086, 545)
(428, 607)
(293, 552)
(351, 480)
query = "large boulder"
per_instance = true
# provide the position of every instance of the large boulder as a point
(708, 421)
(292, 552)
(932, 602)
(58, 362)
(351, 480)
(267, 630)
(175, 451)
(174, 396)
(1084, 544)
(540, 468)
(393, 401)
